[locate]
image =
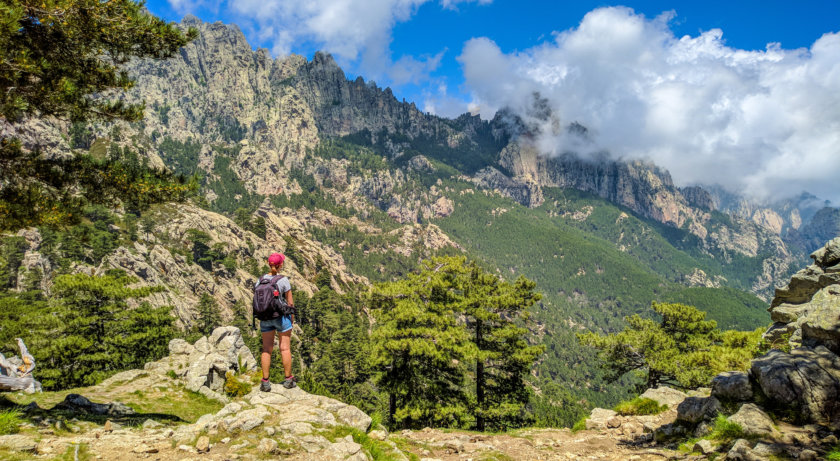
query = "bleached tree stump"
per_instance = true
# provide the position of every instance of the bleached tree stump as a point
(16, 373)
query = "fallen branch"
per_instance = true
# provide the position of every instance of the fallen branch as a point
(16, 373)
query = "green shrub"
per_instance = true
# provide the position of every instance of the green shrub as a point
(834, 454)
(235, 387)
(10, 421)
(725, 430)
(172, 374)
(640, 406)
(580, 424)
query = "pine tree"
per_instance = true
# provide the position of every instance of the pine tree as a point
(421, 348)
(494, 310)
(98, 334)
(64, 58)
(208, 315)
(682, 350)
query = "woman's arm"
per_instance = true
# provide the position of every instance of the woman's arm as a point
(290, 302)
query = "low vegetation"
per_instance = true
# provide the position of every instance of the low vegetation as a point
(640, 406)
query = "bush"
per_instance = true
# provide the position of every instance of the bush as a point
(10, 421)
(580, 424)
(235, 387)
(726, 430)
(640, 406)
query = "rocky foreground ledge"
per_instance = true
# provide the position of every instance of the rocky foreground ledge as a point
(176, 409)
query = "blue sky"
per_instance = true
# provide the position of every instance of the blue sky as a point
(745, 94)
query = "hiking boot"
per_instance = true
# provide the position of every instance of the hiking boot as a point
(290, 382)
(265, 386)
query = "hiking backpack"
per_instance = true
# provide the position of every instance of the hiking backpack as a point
(268, 301)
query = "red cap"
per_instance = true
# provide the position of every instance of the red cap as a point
(276, 259)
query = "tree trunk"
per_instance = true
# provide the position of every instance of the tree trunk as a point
(392, 407)
(479, 380)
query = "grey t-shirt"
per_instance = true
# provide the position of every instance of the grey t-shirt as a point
(282, 285)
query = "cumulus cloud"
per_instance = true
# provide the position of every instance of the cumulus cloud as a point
(358, 33)
(765, 123)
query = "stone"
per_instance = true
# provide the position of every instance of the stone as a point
(741, 451)
(18, 442)
(664, 395)
(108, 427)
(270, 431)
(80, 404)
(808, 455)
(598, 418)
(828, 255)
(614, 422)
(378, 435)
(705, 447)
(202, 445)
(354, 418)
(767, 450)
(178, 346)
(807, 379)
(268, 446)
(203, 345)
(151, 424)
(753, 420)
(788, 313)
(696, 409)
(732, 385)
(822, 324)
(144, 448)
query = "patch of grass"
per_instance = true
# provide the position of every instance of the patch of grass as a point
(10, 421)
(687, 447)
(403, 445)
(640, 406)
(75, 452)
(9, 455)
(579, 425)
(172, 374)
(834, 454)
(726, 431)
(495, 456)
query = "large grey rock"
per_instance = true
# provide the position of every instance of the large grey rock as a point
(18, 442)
(807, 379)
(741, 451)
(598, 418)
(829, 255)
(753, 421)
(822, 325)
(178, 346)
(664, 395)
(705, 447)
(787, 313)
(696, 409)
(732, 385)
(80, 404)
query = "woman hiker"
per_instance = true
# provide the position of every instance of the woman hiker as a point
(281, 324)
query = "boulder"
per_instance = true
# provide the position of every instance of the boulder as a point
(80, 404)
(742, 451)
(732, 385)
(664, 395)
(598, 418)
(753, 421)
(696, 409)
(178, 346)
(807, 379)
(705, 447)
(18, 442)
(822, 325)
(788, 313)
(829, 255)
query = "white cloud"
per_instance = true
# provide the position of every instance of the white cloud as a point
(766, 123)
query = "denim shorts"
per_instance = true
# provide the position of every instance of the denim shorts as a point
(281, 324)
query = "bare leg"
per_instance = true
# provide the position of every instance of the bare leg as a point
(265, 357)
(286, 351)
